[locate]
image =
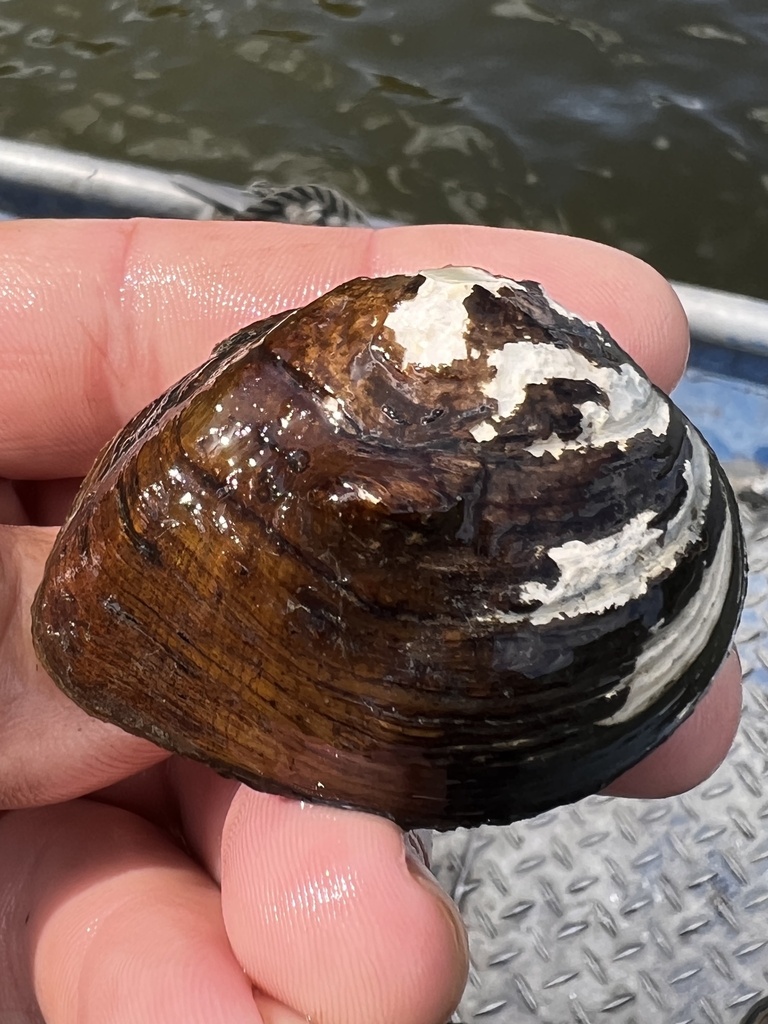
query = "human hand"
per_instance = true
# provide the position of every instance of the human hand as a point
(170, 894)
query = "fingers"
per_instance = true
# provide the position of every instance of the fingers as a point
(118, 925)
(321, 907)
(102, 317)
(112, 922)
(324, 909)
(49, 749)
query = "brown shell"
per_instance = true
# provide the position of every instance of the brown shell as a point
(301, 566)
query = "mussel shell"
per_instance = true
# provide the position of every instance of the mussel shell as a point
(429, 547)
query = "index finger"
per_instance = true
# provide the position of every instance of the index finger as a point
(100, 317)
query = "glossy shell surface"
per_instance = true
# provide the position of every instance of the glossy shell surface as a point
(430, 546)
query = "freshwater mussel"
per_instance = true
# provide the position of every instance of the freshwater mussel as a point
(430, 546)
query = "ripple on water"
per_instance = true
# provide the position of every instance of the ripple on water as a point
(586, 117)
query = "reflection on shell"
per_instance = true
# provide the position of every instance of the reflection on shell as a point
(431, 547)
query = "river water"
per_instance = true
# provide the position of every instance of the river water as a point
(644, 125)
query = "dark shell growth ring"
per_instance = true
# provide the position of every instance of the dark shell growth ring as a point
(431, 547)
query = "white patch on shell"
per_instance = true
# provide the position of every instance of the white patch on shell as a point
(674, 646)
(431, 327)
(483, 432)
(596, 576)
(633, 404)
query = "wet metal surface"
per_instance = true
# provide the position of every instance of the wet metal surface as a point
(646, 127)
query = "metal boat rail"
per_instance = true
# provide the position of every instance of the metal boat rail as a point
(45, 181)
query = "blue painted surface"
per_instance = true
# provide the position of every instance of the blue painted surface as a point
(731, 413)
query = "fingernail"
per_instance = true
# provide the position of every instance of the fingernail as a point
(273, 1012)
(418, 847)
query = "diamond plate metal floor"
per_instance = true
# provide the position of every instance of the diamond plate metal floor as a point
(629, 912)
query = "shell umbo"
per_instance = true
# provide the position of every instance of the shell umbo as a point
(430, 546)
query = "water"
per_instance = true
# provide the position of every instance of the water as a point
(642, 125)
